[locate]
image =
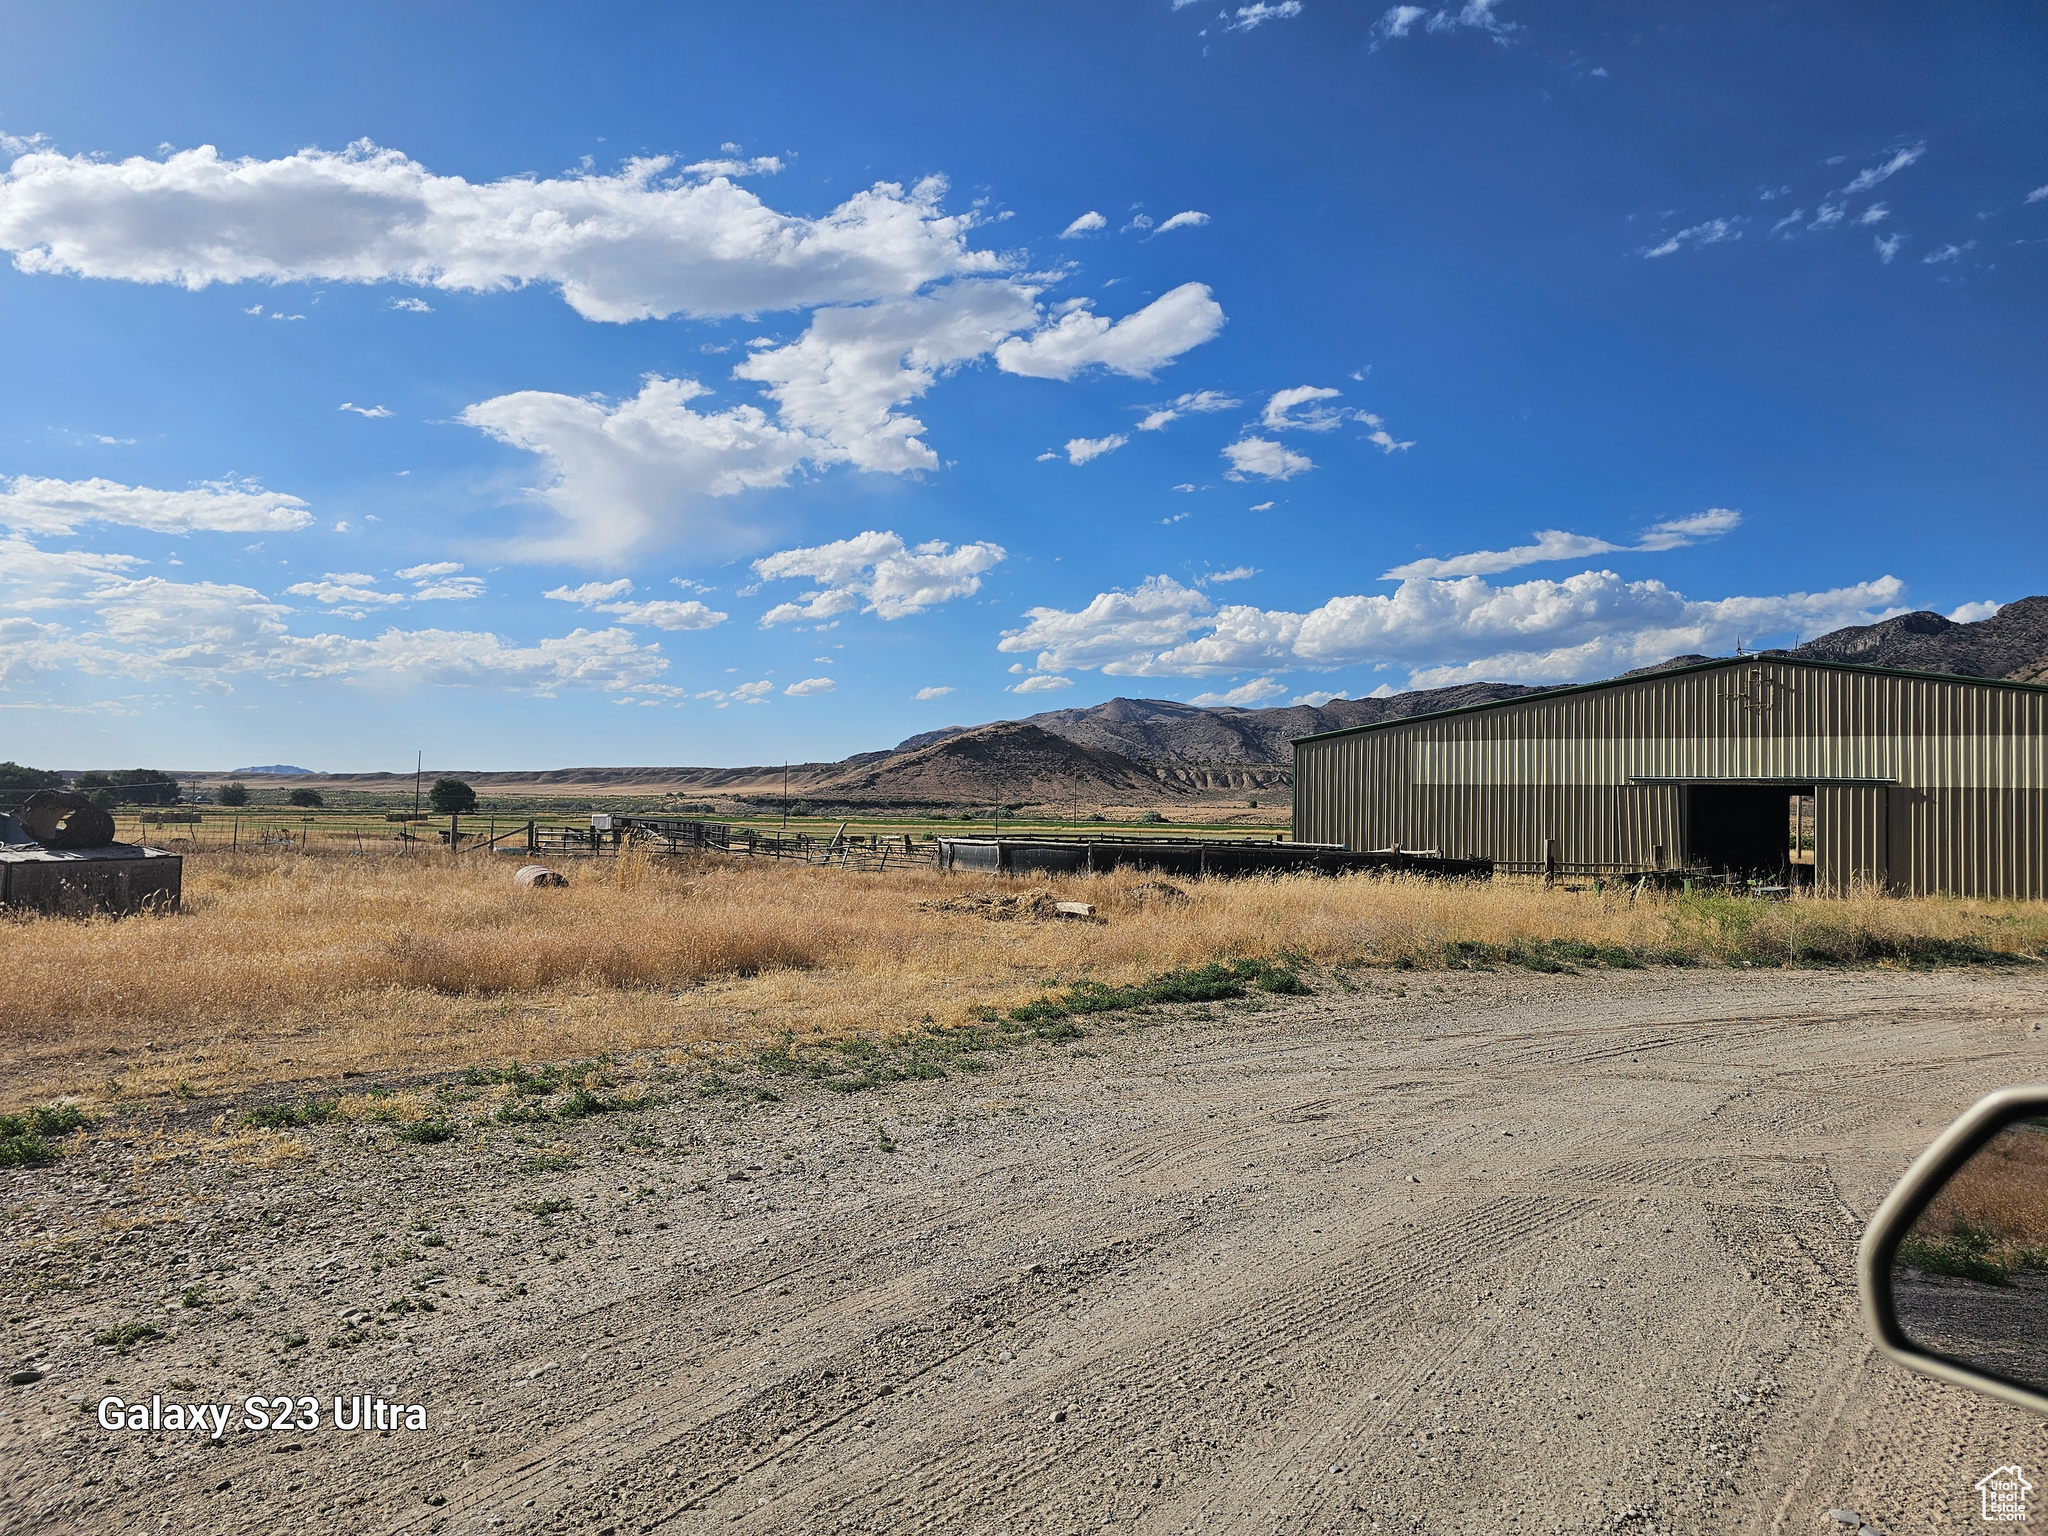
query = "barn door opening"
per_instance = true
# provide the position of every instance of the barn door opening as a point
(1751, 829)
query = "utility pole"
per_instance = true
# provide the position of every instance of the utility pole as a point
(785, 798)
(417, 764)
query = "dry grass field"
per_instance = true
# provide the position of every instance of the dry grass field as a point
(287, 970)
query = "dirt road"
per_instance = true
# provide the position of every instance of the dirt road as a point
(1476, 1253)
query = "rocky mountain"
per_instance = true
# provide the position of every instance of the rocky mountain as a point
(1162, 731)
(2012, 643)
(1013, 760)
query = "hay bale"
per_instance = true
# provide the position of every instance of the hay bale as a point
(534, 876)
(62, 818)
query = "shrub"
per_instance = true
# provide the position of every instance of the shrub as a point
(25, 1138)
(306, 797)
(236, 793)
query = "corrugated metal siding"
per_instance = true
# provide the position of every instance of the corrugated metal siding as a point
(1954, 771)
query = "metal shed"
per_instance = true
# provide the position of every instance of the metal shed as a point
(1916, 782)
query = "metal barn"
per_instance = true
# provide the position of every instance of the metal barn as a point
(1916, 782)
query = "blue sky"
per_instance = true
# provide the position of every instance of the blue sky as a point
(689, 384)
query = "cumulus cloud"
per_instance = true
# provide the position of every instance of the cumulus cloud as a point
(1712, 232)
(639, 244)
(926, 695)
(1235, 573)
(147, 628)
(876, 573)
(1399, 20)
(1082, 449)
(344, 588)
(1556, 544)
(605, 597)
(1202, 400)
(1042, 684)
(1589, 625)
(1975, 613)
(840, 382)
(1263, 457)
(1244, 696)
(1189, 219)
(745, 693)
(1088, 222)
(413, 306)
(375, 412)
(1137, 345)
(217, 506)
(809, 687)
(625, 473)
(1864, 180)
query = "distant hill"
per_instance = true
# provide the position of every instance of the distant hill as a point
(2012, 643)
(1162, 731)
(1012, 759)
(279, 770)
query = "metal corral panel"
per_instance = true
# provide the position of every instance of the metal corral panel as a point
(1922, 782)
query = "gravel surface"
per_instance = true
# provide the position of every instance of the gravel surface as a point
(1474, 1253)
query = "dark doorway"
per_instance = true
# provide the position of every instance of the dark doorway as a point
(1747, 829)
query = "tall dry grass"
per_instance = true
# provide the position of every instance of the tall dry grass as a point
(282, 968)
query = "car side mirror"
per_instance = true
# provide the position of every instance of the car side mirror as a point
(1953, 1268)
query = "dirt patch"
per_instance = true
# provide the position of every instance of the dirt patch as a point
(1471, 1251)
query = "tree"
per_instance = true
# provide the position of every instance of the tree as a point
(18, 783)
(235, 793)
(451, 797)
(130, 786)
(306, 797)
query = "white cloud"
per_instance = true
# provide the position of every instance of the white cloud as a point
(1876, 213)
(1590, 625)
(1189, 219)
(33, 578)
(413, 306)
(876, 573)
(760, 165)
(1260, 12)
(1265, 458)
(1399, 19)
(1828, 215)
(430, 571)
(634, 245)
(350, 587)
(1091, 220)
(2037, 194)
(1949, 252)
(1975, 613)
(1244, 696)
(206, 633)
(626, 473)
(1201, 400)
(373, 411)
(215, 506)
(745, 693)
(590, 594)
(1887, 247)
(1316, 697)
(1379, 436)
(1263, 506)
(1042, 684)
(926, 695)
(1235, 573)
(1790, 222)
(1138, 345)
(840, 382)
(1082, 449)
(1679, 532)
(604, 597)
(1556, 544)
(1712, 232)
(1864, 180)
(1283, 412)
(810, 686)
